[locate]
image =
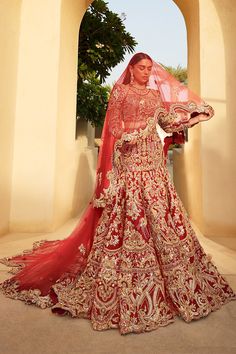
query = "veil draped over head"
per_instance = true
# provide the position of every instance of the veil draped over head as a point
(49, 261)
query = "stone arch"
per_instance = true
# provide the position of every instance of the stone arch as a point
(43, 168)
(209, 40)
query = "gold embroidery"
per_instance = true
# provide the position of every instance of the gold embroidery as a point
(82, 248)
(32, 296)
(178, 116)
(16, 267)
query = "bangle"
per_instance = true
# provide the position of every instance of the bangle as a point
(127, 137)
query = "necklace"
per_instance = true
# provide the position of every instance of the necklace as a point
(138, 90)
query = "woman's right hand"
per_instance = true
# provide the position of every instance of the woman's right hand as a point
(130, 138)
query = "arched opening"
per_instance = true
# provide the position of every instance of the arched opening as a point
(51, 143)
(191, 175)
(200, 159)
(163, 37)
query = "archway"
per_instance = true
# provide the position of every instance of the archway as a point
(40, 174)
(193, 178)
(190, 164)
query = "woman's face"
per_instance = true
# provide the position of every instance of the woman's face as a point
(141, 71)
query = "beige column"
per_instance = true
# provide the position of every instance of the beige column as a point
(218, 137)
(205, 169)
(35, 130)
(9, 44)
(44, 165)
(187, 161)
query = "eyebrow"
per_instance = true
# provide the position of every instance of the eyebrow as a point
(144, 65)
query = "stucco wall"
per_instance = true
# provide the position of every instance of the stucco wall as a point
(47, 175)
(9, 44)
(43, 166)
(205, 169)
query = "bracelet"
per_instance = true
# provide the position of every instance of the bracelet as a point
(126, 137)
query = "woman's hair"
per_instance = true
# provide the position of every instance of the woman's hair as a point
(134, 60)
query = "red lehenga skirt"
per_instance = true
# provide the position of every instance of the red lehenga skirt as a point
(146, 265)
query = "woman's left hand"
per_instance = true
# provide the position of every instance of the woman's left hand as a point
(198, 118)
(203, 116)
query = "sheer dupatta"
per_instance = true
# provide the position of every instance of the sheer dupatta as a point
(180, 108)
(51, 261)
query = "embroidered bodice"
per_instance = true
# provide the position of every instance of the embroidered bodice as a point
(130, 109)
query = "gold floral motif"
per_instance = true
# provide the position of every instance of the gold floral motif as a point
(82, 248)
(17, 266)
(32, 296)
(178, 116)
(99, 177)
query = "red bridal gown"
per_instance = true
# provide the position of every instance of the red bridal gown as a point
(146, 265)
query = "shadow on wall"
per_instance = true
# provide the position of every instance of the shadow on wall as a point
(221, 213)
(85, 180)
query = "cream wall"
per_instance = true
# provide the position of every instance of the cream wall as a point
(219, 162)
(43, 165)
(9, 44)
(33, 174)
(75, 160)
(205, 168)
(187, 161)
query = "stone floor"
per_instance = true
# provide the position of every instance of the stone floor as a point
(27, 329)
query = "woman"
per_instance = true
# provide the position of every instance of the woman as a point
(133, 262)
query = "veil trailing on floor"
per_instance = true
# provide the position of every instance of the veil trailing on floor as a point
(49, 261)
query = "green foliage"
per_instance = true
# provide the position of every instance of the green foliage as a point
(179, 73)
(92, 100)
(103, 43)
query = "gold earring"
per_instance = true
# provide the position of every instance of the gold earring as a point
(131, 78)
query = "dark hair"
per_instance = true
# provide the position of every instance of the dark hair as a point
(134, 60)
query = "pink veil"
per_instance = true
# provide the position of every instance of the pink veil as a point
(50, 261)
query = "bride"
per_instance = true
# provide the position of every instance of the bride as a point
(133, 261)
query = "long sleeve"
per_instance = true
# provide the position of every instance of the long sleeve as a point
(171, 123)
(115, 110)
(181, 115)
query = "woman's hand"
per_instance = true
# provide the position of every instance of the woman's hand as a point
(203, 116)
(193, 121)
(130, 138)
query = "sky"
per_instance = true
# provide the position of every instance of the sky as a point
(159, 28)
